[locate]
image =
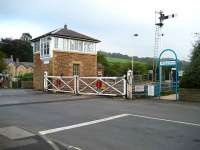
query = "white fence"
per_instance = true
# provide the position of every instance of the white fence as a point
(102, 85)
(60, 83)
(113, 86)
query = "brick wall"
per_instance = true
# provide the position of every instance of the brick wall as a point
(38, 73)
(190, 94)
(62, 63)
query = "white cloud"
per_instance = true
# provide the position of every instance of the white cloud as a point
(112, 21)
(14, 29)
(140, 14)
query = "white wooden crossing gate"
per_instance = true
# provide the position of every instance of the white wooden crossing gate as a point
(113, 86)
(60, 83)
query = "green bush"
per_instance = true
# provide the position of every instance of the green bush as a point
(191, 77)
(2, 62)
(26, 77)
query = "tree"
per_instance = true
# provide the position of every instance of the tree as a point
(102, 60)
(18, 48)
(191, 77)
(2, 62)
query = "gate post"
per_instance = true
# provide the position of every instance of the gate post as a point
(129, 84)
(125, 86)
(76, 85)
(45, 81)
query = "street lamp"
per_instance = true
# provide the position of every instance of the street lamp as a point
(135, 35)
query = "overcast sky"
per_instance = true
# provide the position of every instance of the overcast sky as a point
(114, 22)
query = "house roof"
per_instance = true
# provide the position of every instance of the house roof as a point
(67, 33)
(25, 64)
(8, 61)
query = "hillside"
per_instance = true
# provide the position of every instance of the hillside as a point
(121, 58)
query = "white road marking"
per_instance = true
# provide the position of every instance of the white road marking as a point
(111, 118)
(166, 120)
(77, 148)
(82, 124)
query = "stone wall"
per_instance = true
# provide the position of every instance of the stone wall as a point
(190, 94)
(27, 84)
(62, 63)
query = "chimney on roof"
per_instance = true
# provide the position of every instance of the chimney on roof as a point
(65, 26)
(11, 58)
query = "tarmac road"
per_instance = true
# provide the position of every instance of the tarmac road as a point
(107, 123)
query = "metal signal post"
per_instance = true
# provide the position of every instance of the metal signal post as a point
(159, 18)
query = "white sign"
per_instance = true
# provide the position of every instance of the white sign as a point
(150, 90)
(139, 88)
(45, 60)
(180, 73)
(168, 63)
(14, 79)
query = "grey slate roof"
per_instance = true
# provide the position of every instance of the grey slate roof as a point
(67, 33)
(8, 60)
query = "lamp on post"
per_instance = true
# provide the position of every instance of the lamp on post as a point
(135, 35)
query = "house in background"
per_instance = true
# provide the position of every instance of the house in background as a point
(26, 37)
(63, 52)
(17, 68)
